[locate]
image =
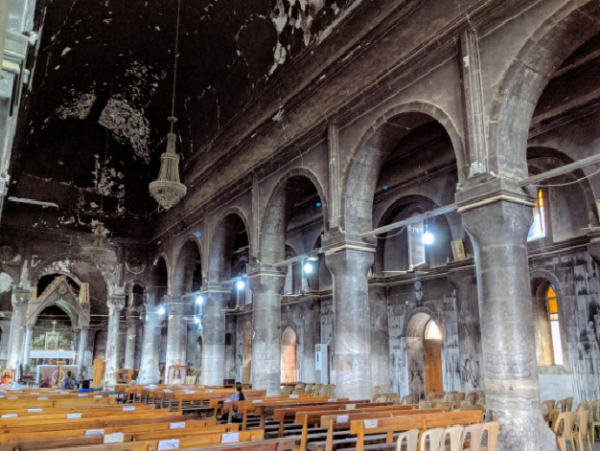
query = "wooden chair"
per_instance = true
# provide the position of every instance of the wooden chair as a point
(564, 430)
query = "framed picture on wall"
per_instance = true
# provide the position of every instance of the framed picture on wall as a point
(598, 208)
(458, 250)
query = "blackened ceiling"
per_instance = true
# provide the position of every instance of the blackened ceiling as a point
(95, 118)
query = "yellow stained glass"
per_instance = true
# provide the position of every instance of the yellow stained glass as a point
(552, 304)
(540, 199)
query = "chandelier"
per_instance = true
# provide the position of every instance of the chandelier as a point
(97, 252)
(167, 189)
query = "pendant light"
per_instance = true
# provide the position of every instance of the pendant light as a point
(167, 189)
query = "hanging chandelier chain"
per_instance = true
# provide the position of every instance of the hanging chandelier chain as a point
(176, 61)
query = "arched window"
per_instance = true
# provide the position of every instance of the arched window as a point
(538, 228)
(552, 303)
(432, 331)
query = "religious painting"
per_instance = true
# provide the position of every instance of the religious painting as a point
(458, 250)
(176, 374)
(52, 339)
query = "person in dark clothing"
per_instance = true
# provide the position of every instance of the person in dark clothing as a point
(239, 396)
(85, 387)
(69, 383)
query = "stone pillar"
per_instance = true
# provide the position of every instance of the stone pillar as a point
(349, 265)
(266, 282)
(213, 334)
(176, 332)
(133, 319)
(380, 340)
(312, 336)
(499, 231)
(26, 351)
(115, 306)
(149, 372)
(81, 348)
(16, 339)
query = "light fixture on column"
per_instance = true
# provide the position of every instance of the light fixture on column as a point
(240, 285)
(199, 300)
(197, 320)
(161, 310)
(167, 189)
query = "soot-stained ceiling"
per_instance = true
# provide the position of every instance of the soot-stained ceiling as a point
(95, 120)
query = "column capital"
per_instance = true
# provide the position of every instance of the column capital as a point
(132, 313)
(20, 297)
(116, 303)
(261, 270)
(484, 191)
(216, 287)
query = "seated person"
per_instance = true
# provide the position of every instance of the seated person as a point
(46, 384)
(85, 387)
(6, 378)
(239, 396)
(69, 383)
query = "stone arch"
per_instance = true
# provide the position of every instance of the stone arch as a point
(517, 95)
(273, 224)
(46, 267)
(403, 208)
(169, 266)
(184, 269)
(222, 242)
(362, 171)
(68, 302)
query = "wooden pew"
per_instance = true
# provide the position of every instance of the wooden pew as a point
(389, 426)
(91, 424)
(115, 427)
(283, 413)
(84, 411)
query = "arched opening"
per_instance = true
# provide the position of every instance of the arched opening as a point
(160, 281)
(100, 338)
(289, 370)
(247, 357)
(406, 250)
(547, 322)
(229, 254)
(402, 150)
(424, 352)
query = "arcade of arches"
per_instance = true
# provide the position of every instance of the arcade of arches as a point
(379, 204)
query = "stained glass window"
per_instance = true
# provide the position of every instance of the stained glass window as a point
(557, 351)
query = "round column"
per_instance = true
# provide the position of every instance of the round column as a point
(499, 232)
(133, 319)
(266, 284)
(213, 334)
(149, 371)
(349, 266)
(81, 348)
(115, 306)
(19, 300)
(176, 332)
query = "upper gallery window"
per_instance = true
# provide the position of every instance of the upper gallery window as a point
(538, 228)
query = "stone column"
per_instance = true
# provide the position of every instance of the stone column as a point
(81, 348)
(16, 339)
(499, 231)
(380, 340)
(349, 265)
(115, 306)
(266, 282)
(27, 346)
(149, 372)
(133, 319)
(312, 336)
(176, 332)
(213, 334)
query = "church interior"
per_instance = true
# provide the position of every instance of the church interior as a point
(225, 221)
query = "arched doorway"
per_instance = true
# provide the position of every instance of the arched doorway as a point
(288, 356)
(424, 351)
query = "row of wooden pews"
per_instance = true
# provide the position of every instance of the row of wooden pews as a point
(98, 423)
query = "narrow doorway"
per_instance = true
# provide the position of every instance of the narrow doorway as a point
(288, 356)
(434, 380)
